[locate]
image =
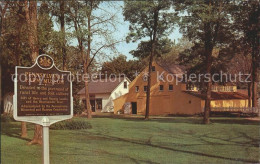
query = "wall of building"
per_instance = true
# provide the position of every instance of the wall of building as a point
(162, 102)
(167, 102)
(107, 98)
(120, 90)
(106, 102)
(186, 104)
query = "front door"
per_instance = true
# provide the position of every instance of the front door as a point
(134, 107)
(93, 105)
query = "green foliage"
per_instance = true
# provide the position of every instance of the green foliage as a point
(163, 46)
(141, 16)
(45, 29)
(120, 65)
(246, 20)
(207, 24)
(172, 56)
(71, 125)
(78, 107)
(150, 20)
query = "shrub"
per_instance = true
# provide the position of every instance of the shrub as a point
(78, 107)
(71, 125)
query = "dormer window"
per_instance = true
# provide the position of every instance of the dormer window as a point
(153, 68)
(125, 84)
(145, 77)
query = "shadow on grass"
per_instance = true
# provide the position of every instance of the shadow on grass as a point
(11, 129)
(147, 143)
(251, 142)
(138, 118)
(102, 153)
(241, 121)
(188, 120)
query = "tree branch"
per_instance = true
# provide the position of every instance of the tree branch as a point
(94, 54)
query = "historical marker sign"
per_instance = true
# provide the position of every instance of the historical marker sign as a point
(42, 91)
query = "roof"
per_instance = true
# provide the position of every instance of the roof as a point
(173, 68)
(102, 85)
(219, 95)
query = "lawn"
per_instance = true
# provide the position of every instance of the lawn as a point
(133, 140)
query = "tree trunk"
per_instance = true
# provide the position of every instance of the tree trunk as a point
(88, 105)
(254, 27)
(207, 103)
(249, 90)
(31, 20)
(37, 138)
(87, 62)
(147, 109)
(208, 53)
(24, 130)
(1, 101)
(154, 37)
(17, 51)
(62, 25)
(255, 76)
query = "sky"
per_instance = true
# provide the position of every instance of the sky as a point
(122, 29)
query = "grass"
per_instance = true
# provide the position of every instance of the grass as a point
(161, 140)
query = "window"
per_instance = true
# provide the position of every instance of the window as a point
(145, 88)
(170, 87)
(136, 88)
(153, 68)
(99, 104)
(125, 84)
(188, 86)
(161, 88)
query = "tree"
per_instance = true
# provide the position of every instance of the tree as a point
(13, 45)
(242, 63)
(31, 21)
(59, 9)
(152, 20)
(206, 24)
(87, 25)
(119, 65)
(163, 46)
(62, 28)
(44, 29)
(3, 8)
(175, 51)
(246, 16)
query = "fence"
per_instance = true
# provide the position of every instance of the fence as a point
(237, 109)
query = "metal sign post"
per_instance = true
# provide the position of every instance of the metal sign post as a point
(42, 95)
(45, 138)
